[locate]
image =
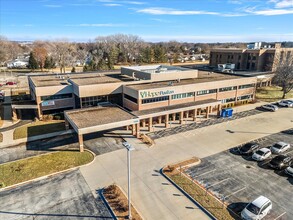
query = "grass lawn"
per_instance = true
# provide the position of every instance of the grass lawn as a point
(38, 128)
(271, 94)
(33, 167)
(208, 201)
(1, 137)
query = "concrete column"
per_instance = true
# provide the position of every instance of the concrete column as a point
(150, 124)
(143, 123)
(127, 128)
(181, 118)
(159, 119)
(187, 114)
(174, 117)
(80, 141)
(211, 109)
(138, 130)
(194, 114)
(207, 112)
(167, 120)
(14, 115)
(133, 130)
(66, 125)
(219, 108)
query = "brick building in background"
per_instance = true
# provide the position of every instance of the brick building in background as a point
(256, 57)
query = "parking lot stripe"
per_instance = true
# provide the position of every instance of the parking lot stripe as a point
(280, 216)
(218, 182)
(205, 173)
(236, 192)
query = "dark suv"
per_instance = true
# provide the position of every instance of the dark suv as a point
(248, 148)
(281, 162)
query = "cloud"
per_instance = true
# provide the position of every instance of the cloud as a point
(97, 25)
(282, 3)
(170, 11)
(53, 6)
(269, 12)
(134, 2)
(112, 5)
(235, 2)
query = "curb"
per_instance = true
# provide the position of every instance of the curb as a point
(188, 196)
(46, 176)
(101, 193)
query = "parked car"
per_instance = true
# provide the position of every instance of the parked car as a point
(280, 162)
(280, 147)
(10, 83)
(285, 103)
(262, 154)
(248, 148)
(270, 107)
(289, 170)
(257, 209)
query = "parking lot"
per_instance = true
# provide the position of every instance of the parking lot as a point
(63, 196)
(240, 180)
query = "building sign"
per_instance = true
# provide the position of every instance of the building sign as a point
(48, 103)
(148, 94)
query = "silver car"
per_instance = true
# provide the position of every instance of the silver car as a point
(285, 103)
(280, 147)
(270, 107)
(289, 170)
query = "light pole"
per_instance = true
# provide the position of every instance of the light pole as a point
(129, 148)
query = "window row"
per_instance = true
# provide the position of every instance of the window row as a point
(227, 88)
(158, 99)
(246, 86)
(244, 97)
(130, 98)
(53, 97)
(183, 95)
(228, 100)
(204, 92)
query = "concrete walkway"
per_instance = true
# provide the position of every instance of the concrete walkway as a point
(153, 196)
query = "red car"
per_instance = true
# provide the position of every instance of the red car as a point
(10, 83)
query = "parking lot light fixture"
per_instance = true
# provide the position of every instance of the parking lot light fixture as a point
(129, 148)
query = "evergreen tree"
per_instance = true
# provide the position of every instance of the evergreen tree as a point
(32, 63)
(49, 63)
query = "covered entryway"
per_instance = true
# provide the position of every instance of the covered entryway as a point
(24, 110)
(91, 120)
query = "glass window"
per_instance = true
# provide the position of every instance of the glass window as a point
(224, 89)
(130, 98)
(245, 86)
(54, 97)
(204, 92)
(158, 99)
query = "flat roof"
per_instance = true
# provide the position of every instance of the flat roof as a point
(172, 108)
(96, 117)
(203, 76)
(156, 69)
(78, 78)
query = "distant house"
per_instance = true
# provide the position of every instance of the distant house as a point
(17, 64)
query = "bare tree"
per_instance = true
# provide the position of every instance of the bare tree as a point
(40, 54)
(284, 73)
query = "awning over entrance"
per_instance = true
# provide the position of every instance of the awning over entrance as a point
(175, 108)
(24, 105)
(95, 119)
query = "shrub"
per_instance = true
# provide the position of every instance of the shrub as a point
(171, 168)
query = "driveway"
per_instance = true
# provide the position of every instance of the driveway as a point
(153, 196)
(62, 196)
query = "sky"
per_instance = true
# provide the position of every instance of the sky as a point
(152, 20)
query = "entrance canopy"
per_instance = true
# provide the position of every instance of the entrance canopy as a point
(95, 119)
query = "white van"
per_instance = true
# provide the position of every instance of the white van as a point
(257, 209)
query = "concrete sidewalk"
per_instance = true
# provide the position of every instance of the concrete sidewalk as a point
(153, 196)
(8, 137)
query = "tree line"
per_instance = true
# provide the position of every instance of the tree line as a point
(102, 53)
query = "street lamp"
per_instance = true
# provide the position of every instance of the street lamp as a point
(129, 148)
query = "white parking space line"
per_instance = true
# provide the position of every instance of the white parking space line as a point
(280, 216)
(205, 173)
(218, 182)
(236, 192)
